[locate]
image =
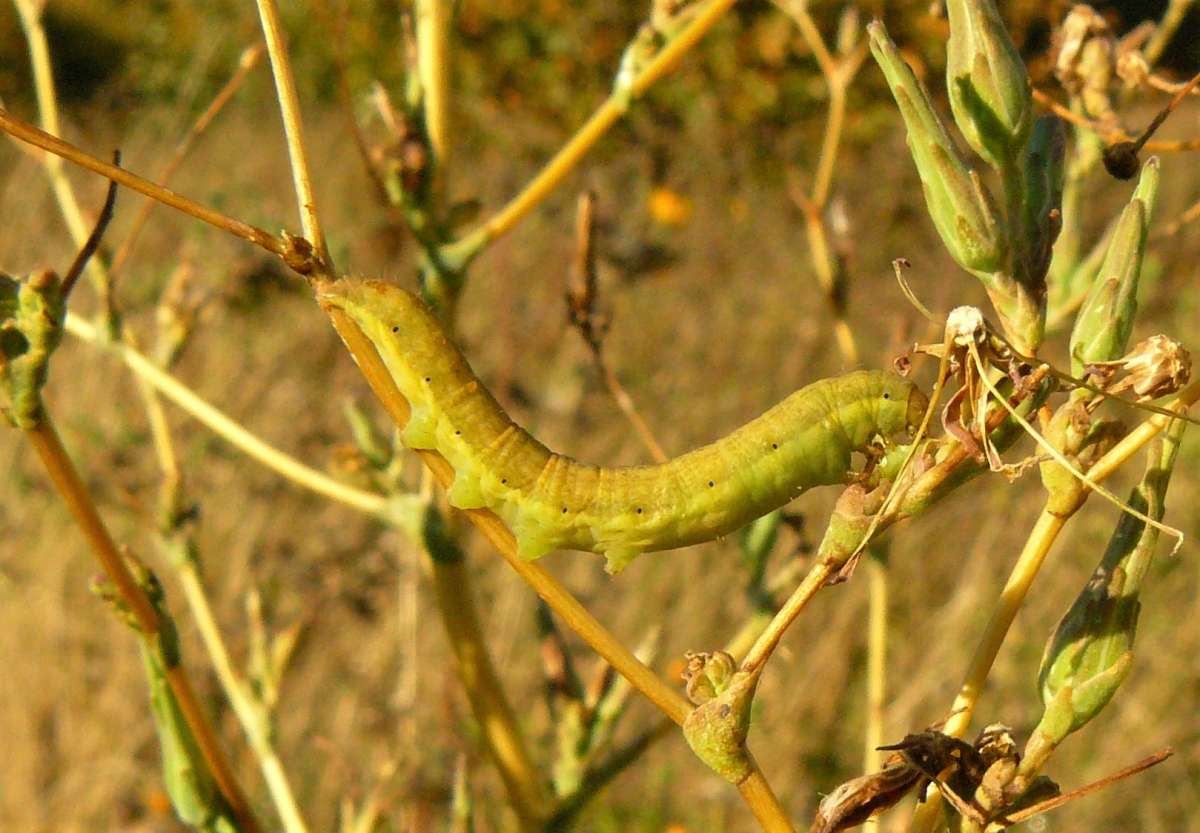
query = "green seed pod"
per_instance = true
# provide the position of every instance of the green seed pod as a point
(1042, 171)
(961, 207)
(1105, 321)
(1091, 650)
(987, 82)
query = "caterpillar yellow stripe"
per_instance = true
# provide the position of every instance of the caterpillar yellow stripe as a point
(551, 501)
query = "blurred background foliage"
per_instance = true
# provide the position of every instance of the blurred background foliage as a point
(715, 316)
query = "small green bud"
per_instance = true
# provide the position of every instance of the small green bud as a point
(987, 82)
(716, 730)
(707, 675)
(962, 209)
(1105, 321)
(31, 316)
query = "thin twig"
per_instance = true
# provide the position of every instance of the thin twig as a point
(30, 13)
(45, 441)
(582, 299)
(1167, 27)
(293, 127)
(40, 138)
(93, 241)
(433, 65)
(1108, 133)
(768, 640)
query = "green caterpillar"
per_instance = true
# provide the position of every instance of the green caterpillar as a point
(550, 501)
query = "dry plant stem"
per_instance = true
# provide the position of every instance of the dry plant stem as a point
(503, 737)
(248, 714)
(608, 114)
(838, 76)
(761, 800)
(293, 128)
(560, 600)
(246, 63)
(927, 815)
(45, 441)
(30, 12)
(1132, 442)
(39, 138)
(1172, 228)
(877, 600)
(433, 65)
(252, 719)
(49, 447)
(768, 640)
(231, 431)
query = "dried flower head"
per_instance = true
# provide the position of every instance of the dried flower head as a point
(1156, 366)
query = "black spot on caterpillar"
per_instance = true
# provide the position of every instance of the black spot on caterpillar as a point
(551, 501)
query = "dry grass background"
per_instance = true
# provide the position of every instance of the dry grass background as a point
(727, 328)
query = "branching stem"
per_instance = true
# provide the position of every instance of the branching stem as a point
(45, 441)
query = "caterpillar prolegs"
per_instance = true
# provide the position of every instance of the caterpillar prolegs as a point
(551, 501)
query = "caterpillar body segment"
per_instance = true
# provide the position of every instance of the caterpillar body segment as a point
(551, 501)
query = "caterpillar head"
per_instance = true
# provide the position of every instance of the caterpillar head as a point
(899, 404)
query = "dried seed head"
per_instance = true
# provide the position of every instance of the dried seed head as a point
(1156, 366)
(1132, 67)
(966, 325)
(995, 742)
(1086, 61)
(853, 802)
(707, 674)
